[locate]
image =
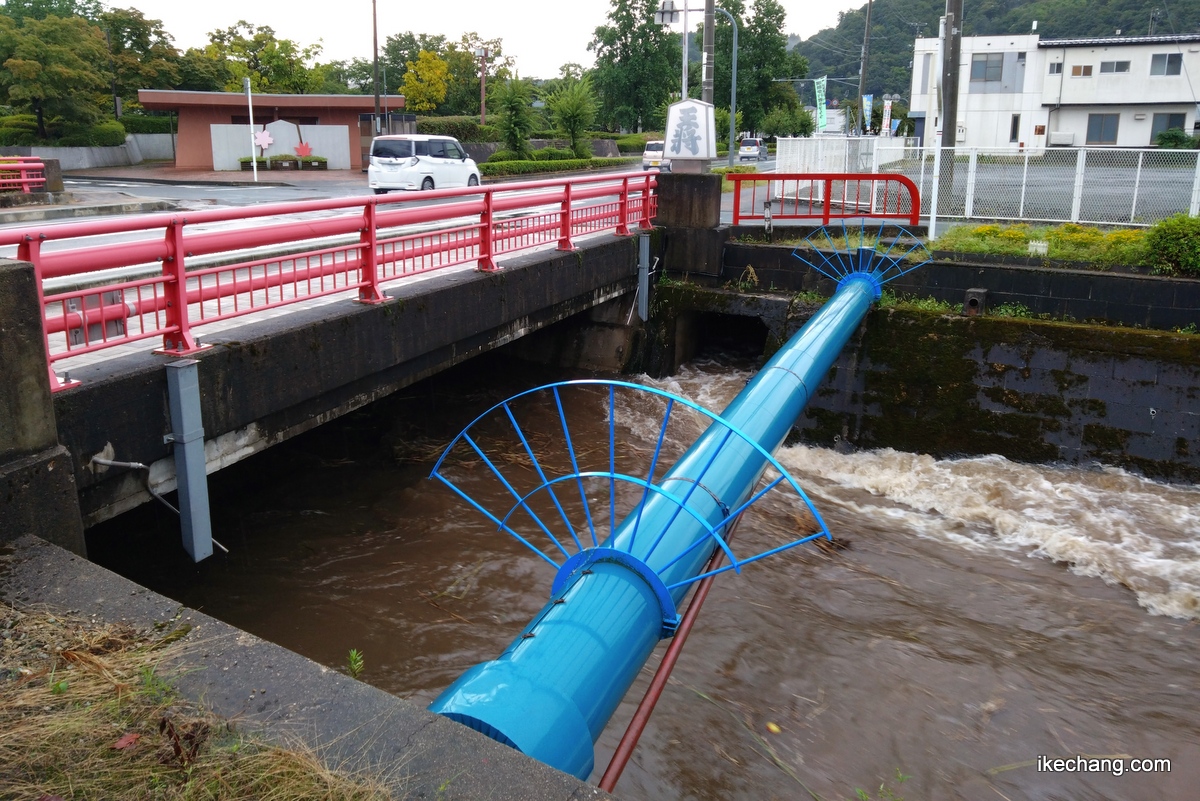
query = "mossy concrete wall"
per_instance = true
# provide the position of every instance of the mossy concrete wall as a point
(1033, 391)
(1118, 298)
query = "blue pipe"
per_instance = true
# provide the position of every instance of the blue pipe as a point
(553, 690)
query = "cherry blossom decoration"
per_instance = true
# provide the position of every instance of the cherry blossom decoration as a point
(263, 139)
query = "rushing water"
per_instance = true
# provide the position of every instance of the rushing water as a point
(984, 614)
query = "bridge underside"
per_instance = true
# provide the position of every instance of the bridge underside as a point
(268, 381)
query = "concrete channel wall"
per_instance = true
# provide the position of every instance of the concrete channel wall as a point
(947, 385)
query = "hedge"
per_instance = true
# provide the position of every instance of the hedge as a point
(20, 130)
(495, 169)
(464, 129)
(141, 124)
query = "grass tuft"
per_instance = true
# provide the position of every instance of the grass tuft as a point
(86, 713)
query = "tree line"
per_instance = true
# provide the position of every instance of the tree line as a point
(64, 62)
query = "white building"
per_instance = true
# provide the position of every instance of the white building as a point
(1023, 91)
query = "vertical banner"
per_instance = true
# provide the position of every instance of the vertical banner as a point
(819, 88)
(885, 127)
(868, 102)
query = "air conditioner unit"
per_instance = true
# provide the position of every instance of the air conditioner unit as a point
(1062, 138)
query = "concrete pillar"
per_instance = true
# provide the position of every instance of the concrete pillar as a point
(37, 481)
(689, 212)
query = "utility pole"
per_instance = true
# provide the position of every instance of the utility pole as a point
(375, 50)
(865, 124)
(706, 74)
(951, 56)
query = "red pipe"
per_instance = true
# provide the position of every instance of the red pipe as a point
(641, 716)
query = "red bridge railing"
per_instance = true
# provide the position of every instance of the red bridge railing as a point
(824, 197)
(150, 282)
(22, 173)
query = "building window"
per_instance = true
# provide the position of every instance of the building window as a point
(1113, 67)
(1166, 63)
(987, 66)
(1081, 71)
(1102, 129)
(1014, 129)
(1165, 122)
(1056, 68)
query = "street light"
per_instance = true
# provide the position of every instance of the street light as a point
(481, 53)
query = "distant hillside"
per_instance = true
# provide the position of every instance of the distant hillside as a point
(895, 23)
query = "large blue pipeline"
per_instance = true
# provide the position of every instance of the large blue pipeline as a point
(553, 690)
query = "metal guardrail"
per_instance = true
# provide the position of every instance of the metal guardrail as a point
(23, 173)
(483, 223)
(824, 197)
(1105, 186)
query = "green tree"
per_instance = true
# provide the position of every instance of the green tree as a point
(271, 64)
(398, 50)
(202, 71)
(784, 121)
(143, 54)
(40, 9)
(635, 64)
(721, 120)
(53, 67)
(425, 82)
(513, 100)
(764, 51)
(573, 109)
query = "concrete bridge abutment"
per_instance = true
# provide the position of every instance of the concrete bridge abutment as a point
(38, 494)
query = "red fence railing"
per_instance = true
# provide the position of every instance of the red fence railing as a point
(23, 173)
(824, 197)
(141, 277)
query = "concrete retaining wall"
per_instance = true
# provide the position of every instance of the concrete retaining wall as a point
(947, 385)
(155, 147)
(1141, 301)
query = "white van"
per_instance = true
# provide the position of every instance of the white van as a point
(419, 161)
(652, 156)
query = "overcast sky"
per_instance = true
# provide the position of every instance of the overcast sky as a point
(542, 36)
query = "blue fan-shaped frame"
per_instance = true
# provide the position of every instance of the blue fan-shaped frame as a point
(503, 518)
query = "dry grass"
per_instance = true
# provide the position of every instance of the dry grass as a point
(85, 713)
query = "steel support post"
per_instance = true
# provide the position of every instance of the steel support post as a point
(183, 390)
(972, 164)
(643, 294)
(368, 259)
(1077, 192)
(1194, 206)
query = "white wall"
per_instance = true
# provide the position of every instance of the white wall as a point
(232, 142)
(154, 147)
(82, 158)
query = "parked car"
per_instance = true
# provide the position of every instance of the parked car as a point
(752, 149)
(419, 161)
(652, 156)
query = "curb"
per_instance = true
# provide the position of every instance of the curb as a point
(171, 181)
(69, 212)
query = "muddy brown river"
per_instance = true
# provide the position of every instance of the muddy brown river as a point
(986, 619)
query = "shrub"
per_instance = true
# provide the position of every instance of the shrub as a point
(277, 157)
(142, 124)
(503, 155)
(513, 98)
(1173, 245)
(1176, 138)
(104, 134)
(309, 159)
(262, 162)
(501, 168)
(464, 129)
(551, 154)
(15, 137)
(636, 143)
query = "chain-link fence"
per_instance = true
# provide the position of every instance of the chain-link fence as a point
(1087, 185)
